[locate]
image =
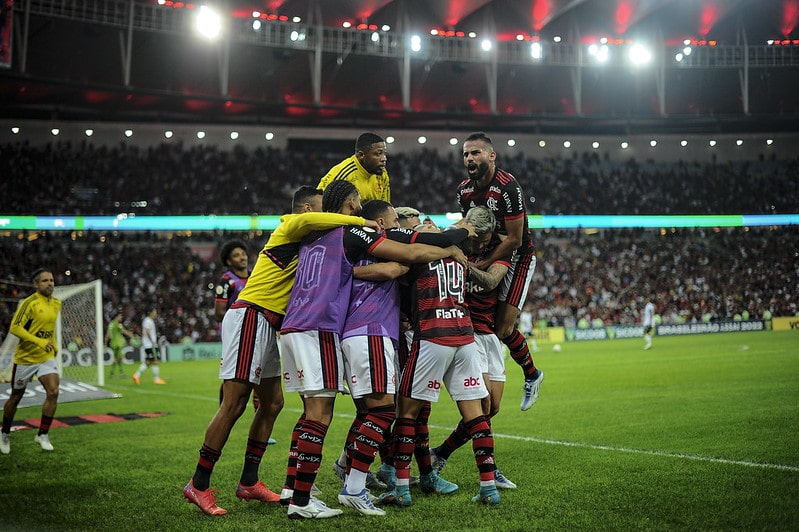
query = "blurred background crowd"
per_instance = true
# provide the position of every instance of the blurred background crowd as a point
(598, 276)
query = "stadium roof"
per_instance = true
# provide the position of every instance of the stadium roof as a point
(141, 61)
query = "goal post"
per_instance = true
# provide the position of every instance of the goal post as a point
(79, 332)
(79, 335)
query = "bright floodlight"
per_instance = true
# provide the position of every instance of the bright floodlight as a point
(234, 135)
(269, 136)
(486, 45)
(89, 132)
(55, 131)
(421, 140)
(599, 52)
(168, 134)
(653, 143)
(375, 37)
(390, 140)
(511, 142)
(201, 135)
(739, 142)
(453, 141)
(640, 55)
(567, 144)
(536, 51)
(712, 143)
(208, 23)
(416, 43)
(595, 145)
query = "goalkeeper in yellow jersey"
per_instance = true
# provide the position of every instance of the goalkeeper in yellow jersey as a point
(34, 325)
(366, 169)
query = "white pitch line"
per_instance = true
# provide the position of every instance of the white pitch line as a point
(697, 457)
(665, 454)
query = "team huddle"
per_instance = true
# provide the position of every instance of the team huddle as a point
(379, 305)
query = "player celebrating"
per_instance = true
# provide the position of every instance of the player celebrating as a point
(310, 338)
(498, 190)
(250, 359)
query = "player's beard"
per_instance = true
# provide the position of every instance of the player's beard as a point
(477, 171)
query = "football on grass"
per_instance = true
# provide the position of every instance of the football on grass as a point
(556, 348)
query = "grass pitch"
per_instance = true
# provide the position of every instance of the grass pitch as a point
(699, 433)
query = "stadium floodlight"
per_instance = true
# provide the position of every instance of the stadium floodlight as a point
(769, 142)
(536, 50)
(557, 38)
(567, 144)
(15, 130)
(385, 27)
(687, 51)
(89, 132)
(55, 131)
(296, 20)
(600, 52)
(168, 134)
(416, 43)
(542, 144)
(256, 25)
(390, 140)
(678, 57)
(422, 139)
(511, 142)
(653, 143)
(639, 55)
(269, 135)
(201, 135)
(128, 133)
(234, 135)
(486, 45)
(683, 143)
(625, 145)
(453, 141)
(375, 37)
(208, 23)
(739, 142)
(595, 145)
(712, 143)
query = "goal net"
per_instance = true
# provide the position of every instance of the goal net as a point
(79, 334)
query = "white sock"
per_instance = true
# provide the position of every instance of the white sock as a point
(141, 369)
(356, 482)
(156, 371)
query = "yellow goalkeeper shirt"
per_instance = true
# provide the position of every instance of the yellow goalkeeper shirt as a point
(34, 325)
(272, 278)
(370, 186)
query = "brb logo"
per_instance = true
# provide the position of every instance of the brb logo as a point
(471, 382)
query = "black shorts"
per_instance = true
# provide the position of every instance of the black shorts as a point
(151, 354)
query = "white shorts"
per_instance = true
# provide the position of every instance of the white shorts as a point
(312, 362)
(370, 364)
(249, 347)
(491, 353)
(22, 374)
(513, 287)
(431, 365)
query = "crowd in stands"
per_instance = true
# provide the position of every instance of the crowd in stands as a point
(695, 274)
(63, 178)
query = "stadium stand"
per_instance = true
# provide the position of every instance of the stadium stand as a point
(176, 180)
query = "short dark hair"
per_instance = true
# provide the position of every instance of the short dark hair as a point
(303, 195)
(479, 135)
(374, 209)
(336, 194)
(227, 249)
(366, 140)
(37, 272)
